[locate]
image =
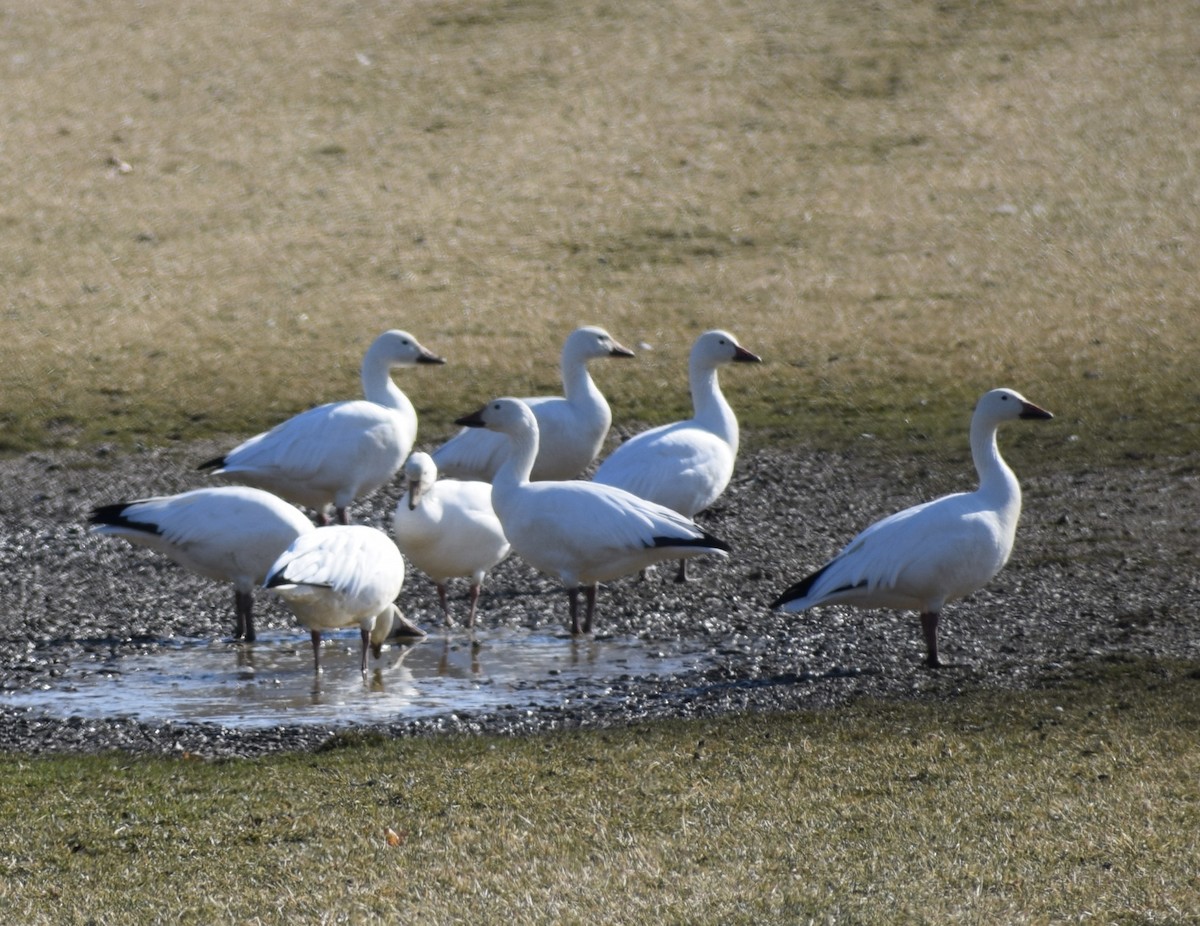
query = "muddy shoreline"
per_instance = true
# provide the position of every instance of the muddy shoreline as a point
(1106, 567)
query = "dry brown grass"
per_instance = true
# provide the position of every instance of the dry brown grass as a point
(893, 202)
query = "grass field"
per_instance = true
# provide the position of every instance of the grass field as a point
(209, 209)
(1071, 805)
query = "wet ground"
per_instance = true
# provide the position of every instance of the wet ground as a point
(104, 646)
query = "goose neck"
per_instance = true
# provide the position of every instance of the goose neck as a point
(517, 468)
(578, 385)
(377, 383)
(709, 406)
(995, 476)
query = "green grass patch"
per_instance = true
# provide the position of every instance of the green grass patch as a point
(210, 210)
(1080, 801)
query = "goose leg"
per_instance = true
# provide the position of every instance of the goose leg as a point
(243, 607)
(316, 645)
(474, 603)
(591, 607)
(929, 624)
(343, 516)
(441, 590)
(681, 575)
(573, 600)
(366, 641)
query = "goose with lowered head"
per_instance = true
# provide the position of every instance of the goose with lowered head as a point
(925, 556)
(686, 465)
(342, 576)
(447, 528)
(227, 533)
(580, 532)
(335, 453)
(572, 426)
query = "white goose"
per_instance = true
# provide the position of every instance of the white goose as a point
(448, 528)
(578, 531)
(930, 554)
(339, 576)
(573, 426)
(686, 465)
(335, 453)
(227, 533)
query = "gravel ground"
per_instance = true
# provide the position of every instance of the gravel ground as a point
(1105, 568)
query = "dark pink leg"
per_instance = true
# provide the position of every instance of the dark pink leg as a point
(929, 624)
(573, 599)
(591, 607)
(474, 603)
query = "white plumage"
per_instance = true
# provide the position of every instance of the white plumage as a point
(577, 531)
(925, 556)
(227, 533)
(342, 576)
(572, 426)
(335, 453)
(686, 465)
(448, 528)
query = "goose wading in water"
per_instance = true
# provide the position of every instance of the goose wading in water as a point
(448, 528)
(686, 465)
(925, 556)
(335, 453)
(572, 426)
(577, 531)
(227, 533)
(342, 576)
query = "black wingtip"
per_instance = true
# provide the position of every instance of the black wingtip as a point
(114, 516)
(798, 590)
(708, 541)
(214, 463)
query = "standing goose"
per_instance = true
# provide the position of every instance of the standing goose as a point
(578, 531)
(339, 576)
(227, 533)
(942, 550)
(448, 528)
(686, 465)
(573, 426)
(335, 453)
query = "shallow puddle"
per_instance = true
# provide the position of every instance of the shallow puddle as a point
(271, 682)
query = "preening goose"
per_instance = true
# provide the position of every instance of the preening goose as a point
(578, 531)
(227, 533)
(335, 453)
(930, 554)
(686, 465)
(572, 426)
(339, 576)
(448, 528)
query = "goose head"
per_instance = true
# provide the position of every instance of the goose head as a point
(421, 473)
(716, 347)
(591, 343)
(505, 415)
(1007, 405)
(400, 349)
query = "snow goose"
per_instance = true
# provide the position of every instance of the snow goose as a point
(580, 532)
(335, 453)
(448, 528)
(942, 550)
(227, 533)
(339, 576)
(686, 465)
(572, 426)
